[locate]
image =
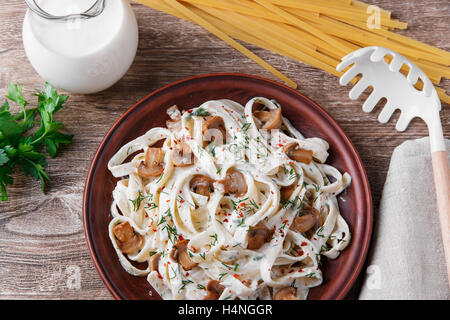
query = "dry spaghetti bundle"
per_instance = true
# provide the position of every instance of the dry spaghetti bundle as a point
(318, 33)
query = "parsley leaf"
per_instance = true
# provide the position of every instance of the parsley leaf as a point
(3, 157)
(21, 149)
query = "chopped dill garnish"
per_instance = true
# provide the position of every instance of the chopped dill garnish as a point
(199, 112)
(212, 149)
(139, 200)
(245, 127)
(318, 232)
(222, 275)
(228, 267)
(214, 239)
(185, 283)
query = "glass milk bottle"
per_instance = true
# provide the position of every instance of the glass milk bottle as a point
(81, 46)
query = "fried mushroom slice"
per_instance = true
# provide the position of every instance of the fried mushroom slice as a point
(309, 219)
(212, 124)
(152, 165)
(287, 293)
(154, 261)
(270, 119)
(214, 289)
(286, 192)
(182, 155)
(298, 154)
(128, 240)
(174, 124)
(180, 254)
(257, 236)
(202, 184)
(234, 183)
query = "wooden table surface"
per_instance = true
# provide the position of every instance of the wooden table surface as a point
(43, 254)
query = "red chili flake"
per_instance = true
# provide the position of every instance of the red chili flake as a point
(300, 252)
(303, 244)
(181, 191)
(190, 111)
(280, 145)
(300, 270)
(159, 276)
(154, 230)
(225, 220)
(186, 128)
(271, 192)
(168, 200)
(236, 275)
(285, 221)
(187, 274)
(180, 238)
(170, 148)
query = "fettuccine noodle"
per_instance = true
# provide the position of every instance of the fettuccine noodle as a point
(247, 216)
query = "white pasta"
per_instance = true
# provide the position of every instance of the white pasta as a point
(218, 224)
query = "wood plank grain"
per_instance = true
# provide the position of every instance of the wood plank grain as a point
(41, 237)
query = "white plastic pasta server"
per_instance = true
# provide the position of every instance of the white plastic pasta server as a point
(388, 82)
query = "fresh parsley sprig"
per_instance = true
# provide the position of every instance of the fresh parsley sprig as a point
(20, 146)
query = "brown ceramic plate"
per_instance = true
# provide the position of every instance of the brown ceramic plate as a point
(305, 115)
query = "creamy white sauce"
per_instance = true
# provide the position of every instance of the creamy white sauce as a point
(217, 228)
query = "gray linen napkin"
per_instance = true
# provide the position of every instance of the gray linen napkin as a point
(407, 257)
